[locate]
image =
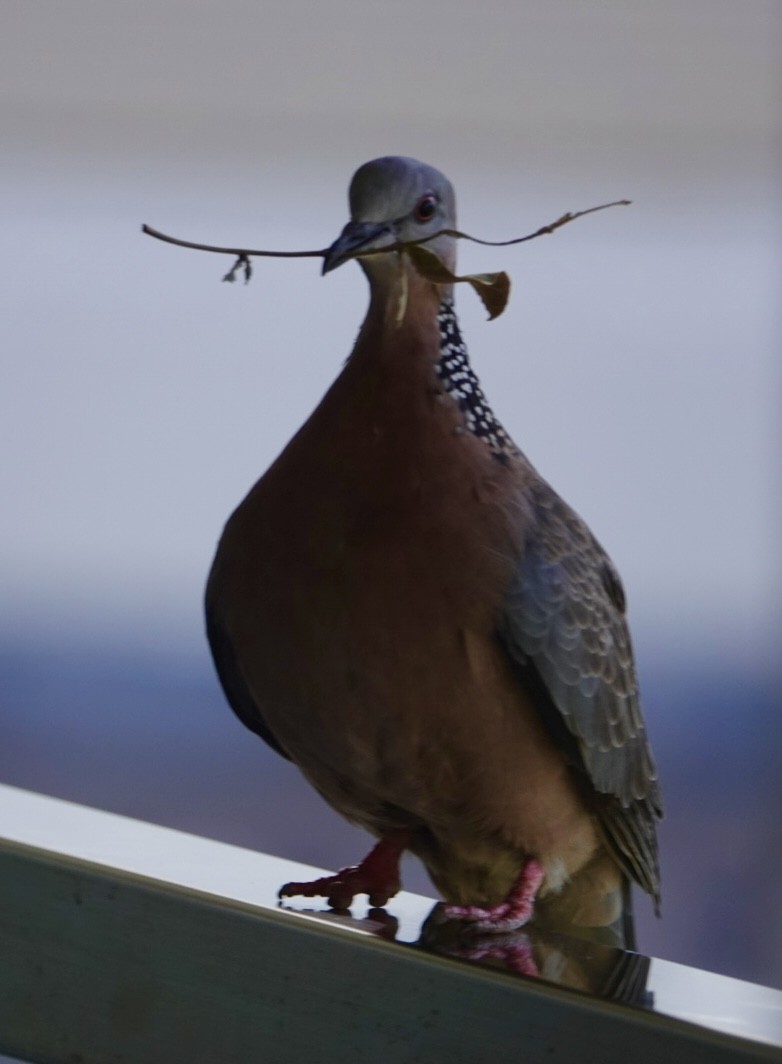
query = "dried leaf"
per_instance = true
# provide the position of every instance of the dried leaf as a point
(493, 288)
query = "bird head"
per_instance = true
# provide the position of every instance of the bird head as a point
(394, 200)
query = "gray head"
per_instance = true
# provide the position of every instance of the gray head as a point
(395, 199)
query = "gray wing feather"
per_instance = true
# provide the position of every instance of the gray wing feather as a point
(563, 621)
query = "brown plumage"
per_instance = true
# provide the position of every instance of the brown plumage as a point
(403, 607)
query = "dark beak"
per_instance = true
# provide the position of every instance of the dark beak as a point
(350, 242)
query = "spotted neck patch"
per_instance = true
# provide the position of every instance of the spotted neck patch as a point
(460, 382)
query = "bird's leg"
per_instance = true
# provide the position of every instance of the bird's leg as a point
(377, 876)
(513, 912)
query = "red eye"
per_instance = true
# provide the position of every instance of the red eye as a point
(426, 208)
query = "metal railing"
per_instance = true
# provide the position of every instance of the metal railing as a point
(124, 941)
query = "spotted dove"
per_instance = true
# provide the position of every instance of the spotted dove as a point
(404, 608)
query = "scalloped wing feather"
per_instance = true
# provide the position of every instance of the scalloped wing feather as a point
(563, 617)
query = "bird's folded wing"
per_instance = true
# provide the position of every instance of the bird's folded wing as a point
(563, 626)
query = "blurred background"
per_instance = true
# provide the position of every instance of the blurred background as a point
(636, 365)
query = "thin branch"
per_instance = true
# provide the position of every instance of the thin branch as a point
(570, 216)
(243, 255)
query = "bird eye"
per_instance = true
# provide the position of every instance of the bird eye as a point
(425, 208)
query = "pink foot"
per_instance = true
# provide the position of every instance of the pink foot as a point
(377, 876)
(513, 912)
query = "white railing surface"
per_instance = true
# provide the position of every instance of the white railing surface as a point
(124, 941)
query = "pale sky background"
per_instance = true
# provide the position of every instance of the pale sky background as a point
(637, 363)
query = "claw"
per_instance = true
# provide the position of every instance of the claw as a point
(377, 876)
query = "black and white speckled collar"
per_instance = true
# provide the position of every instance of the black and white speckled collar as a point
(460, 382)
